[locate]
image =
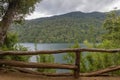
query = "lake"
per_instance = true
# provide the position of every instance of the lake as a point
(50, 46)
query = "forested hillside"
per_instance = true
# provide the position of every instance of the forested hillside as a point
(62, 28)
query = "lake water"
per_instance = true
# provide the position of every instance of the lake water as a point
(50, 46)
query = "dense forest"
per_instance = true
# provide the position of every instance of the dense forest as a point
(62, 28)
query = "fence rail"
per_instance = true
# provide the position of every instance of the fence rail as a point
(75, 67)
(58, 51)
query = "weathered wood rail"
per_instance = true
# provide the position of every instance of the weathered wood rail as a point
(75, 67)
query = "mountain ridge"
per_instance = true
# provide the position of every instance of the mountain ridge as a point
(66, 28)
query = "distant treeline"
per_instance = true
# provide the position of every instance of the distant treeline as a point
(63, 28)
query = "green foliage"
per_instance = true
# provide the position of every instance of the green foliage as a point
(88, 44)
(10, 41)
(63, 28)
(96, 61)
(11, 44)
(112, 27)
(111, 39)
(45, 58)
(21, 7)
(70, 57)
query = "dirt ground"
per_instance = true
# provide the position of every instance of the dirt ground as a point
(16, 75)
(24, 76)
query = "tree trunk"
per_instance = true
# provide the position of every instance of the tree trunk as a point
(7, 20)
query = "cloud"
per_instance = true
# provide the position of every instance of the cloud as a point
(63, 6)
(36, 15)
(56, 7)
(114, 5)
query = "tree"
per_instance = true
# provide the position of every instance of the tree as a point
(11, 43)
(112, 27)
(13, 10)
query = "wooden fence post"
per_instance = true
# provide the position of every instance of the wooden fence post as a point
(77, 63)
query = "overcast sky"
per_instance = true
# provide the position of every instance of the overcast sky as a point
(48, 8)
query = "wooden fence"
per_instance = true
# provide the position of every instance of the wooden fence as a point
(75, 67)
